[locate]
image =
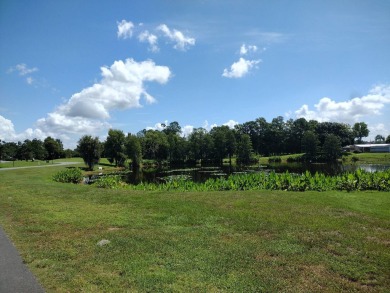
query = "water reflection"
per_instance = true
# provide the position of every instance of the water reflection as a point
(201, 174)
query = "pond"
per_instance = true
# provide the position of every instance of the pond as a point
(201, 174)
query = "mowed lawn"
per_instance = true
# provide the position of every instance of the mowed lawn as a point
(200, 242)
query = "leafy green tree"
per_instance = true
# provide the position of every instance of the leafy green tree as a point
(53, 148)
(310, 144)
(90, 150)
(114, 147)
(244, 150)
(220, 137)
(388, 139)
(8, 150)
(25, 151)
(200, 144)
(360, 130)
(178, 148)
(38, 149)
(379, 139)
(276, 135)
(134, 150)
(155, 145)
(172, 128)
(341, 130)
(332, 147)
(295, 130)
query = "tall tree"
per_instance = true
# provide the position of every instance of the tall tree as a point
(200, 144)
(244, 150)
(90, 150)
(310, 144)
(53, 148)
(172, 128)
(220, 135)
(332, 147)
(134, 149)
(155, 145)
(388, 139)
(114, 147)
(360, 130)
(379, 139)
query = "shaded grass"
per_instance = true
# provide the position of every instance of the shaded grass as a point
(205, 242)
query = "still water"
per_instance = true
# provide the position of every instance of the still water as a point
(201, 174)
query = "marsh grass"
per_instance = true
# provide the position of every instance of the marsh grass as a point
(247, 241)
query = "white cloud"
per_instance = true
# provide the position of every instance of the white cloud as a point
(231, 123)
(187, 130)
(349, 111)
(125, 29)
(22, 69)
(6, 128)
(181, 41)
(240, 68)
(158, 126)
(7, 132)
(145, 36)
(121, 87)
(247, 49)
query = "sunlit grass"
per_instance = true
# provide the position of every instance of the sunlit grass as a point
(197, 241)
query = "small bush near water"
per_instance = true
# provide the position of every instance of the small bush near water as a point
(70, 175)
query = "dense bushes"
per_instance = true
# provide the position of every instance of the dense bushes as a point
(359, 181)
(69, 175)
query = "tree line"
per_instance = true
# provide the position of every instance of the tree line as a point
(35, 149)
(245, 142)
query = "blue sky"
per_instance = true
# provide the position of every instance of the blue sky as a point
(70, 68)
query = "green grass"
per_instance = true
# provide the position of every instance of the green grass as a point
(248, 241)
(370, 158)
(363, 158)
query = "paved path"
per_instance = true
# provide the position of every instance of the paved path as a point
(40, 166)
(14, 275)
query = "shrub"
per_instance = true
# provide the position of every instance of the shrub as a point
(111, 182)
(69, 175)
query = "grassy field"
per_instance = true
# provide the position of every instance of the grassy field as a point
(363, 158)
(202, 242)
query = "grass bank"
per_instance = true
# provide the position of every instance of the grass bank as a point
(200, 241)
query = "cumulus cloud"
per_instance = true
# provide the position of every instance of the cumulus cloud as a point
(158, 126)
(121, 87)
(231, 123)
(181, 41)
(348, 111)
(125, 29)
(187, 130)
(240, 68)
(151, 39)
(8, 133)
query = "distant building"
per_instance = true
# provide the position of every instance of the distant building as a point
(369, 148)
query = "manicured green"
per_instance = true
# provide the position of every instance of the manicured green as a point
(241, 241)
